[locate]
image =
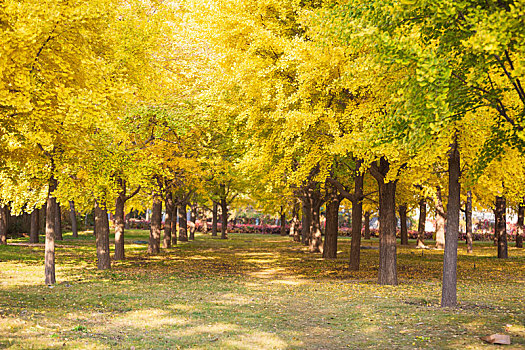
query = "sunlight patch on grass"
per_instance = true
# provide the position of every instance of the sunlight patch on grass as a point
(150, 318)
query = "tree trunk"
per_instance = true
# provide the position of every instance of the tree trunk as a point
(58, 223)
(357, 220)
(501, 227)
(35, 221)
(387, 235)
(193, 218)
(520, 227)
(294, 224)
(306, 221)
(403, 219)
(183, 223)
(367, 225)
(155, 226)
(50, 234)
(73, 217)
(118, 218)
(332, 224)
(174, 213)
(224, 217)
(440, 220)
(421, 223)
(4, 213)
(214, 220)
(316, 240)
(283, 222)
(450, 257)
(468, 221)
(205, 221)
(102, 238)
(166, 243)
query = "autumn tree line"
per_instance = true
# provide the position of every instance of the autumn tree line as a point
(382, 106)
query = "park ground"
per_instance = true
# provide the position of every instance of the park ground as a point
(253, 292)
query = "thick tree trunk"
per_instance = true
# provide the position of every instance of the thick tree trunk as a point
(224, 217)
(214, 220)
(468, 221)
(450, 257)
(357, 221)
(421, 223)
(166, 242)
(58, 223)
(501, 227)
(193, 217)
(315, 229)
(4, 213)
(294, 224)
(118, 218)
(283, 222)
(332, 224)
(155, 226)
(403, 219)
(174, 213)
(387, 235)
(441, 218)
(102, 239)
(520, 227)
(73, 217)
(35, 226)
(50, 234)
(306, 221)
(367, 225)
(183, 223)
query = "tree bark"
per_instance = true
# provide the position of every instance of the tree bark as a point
(174, 214)
(306, 221)
(501, 227)
(441, 218)
(214, 220)
(224, 218)
(166, 243)
(73, 217)
(403, 219)
(520, 227)
(316, 240)
(421, 223)
(294, 224)
(332, 223)
(50, 234)
(4, 213)
(119, 225)
(193, 217)
(155, 226)
(450, 256)
(58, 223)
(35, 226)
(102, 238)
(468, 221)
(357, 220)
(367, 225)
(283, 222)
(183, 223)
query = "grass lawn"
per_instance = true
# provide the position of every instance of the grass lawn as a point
(253, 292)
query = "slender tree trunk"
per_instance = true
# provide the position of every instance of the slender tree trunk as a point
(357, 221)
(224, 217)
(214, 220)
(118, 218)
(50, 234)
(155, 226)
(403, 219)
(468, 221)
(387, 235)
(332, 224)
(440, 220)
(520, 227)
(367, 225)
(450, 257)
(294, 224)
(193, 216)
(166, 243)
(58, 223)
(205, 221)
(73, 217)
(283, 222)
(315, 230)
(102, 238)
(4, 213)
(501, 227)
(35, 221)
(306, 221)
(183, 223)
(421, 223)
(174, 214)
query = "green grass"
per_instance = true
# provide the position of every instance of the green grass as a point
(253, 292)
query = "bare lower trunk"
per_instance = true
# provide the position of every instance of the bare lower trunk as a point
(214, 220)
(294, 224)
(35, 226)
(421, 223)
(403, 219)
(450, 256)
(283, 222)
(387, 236)
(520, 227)
(102, 239)
(58, 223)
(73, 217)
(367, 225)
(166, 242)
(155, 226)
(306, 221)
(332, 224)
(118, 218)
(501, 227)
(357, 221)
(224, 218)
(468, 221)
(204, 221)
(174, 214)
(317, 239)
(440, 220)
(193, 217)
(50, 235)
(4, 212)
(183, 223)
